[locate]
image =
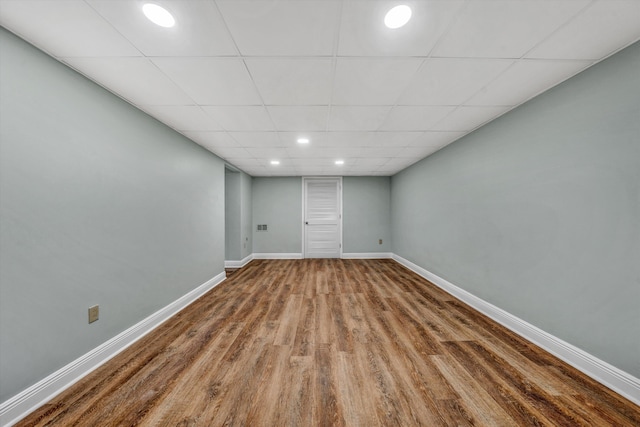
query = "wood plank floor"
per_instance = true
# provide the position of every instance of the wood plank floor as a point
(333, 342)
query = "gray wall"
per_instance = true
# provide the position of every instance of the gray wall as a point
(277, 202)
(99, 204)
(233, 215)
(539, 212)
(238, 213)
(246, 233)
(366, 214)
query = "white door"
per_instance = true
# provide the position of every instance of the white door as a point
(322, 217)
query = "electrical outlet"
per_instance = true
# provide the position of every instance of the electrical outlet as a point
(379, 241)
(94, 313)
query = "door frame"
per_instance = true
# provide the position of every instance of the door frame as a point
(304, 206)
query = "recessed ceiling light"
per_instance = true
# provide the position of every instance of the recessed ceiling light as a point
(397, 16)
(303, 140)
(158, 15)
(339, 162)
(275, 162)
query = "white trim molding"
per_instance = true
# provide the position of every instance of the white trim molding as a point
(239, 264)
(367, 255)
(19, 406)
(277, 256)
(621, 382)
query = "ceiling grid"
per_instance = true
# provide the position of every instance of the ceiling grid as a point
(247, 78)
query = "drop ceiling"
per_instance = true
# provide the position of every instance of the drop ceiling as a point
(246, 78)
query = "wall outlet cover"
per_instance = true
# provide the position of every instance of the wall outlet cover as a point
(94, 313)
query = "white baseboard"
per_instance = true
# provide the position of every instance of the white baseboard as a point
(16, 408)
(621, 382)
(277, 256)
(367, 255)
(238, 264)
(19, 406)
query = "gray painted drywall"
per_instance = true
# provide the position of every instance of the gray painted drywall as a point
(238, 215)
(366, 214)
(539, 211)
(246, 232)
(277, 202)
(233, 215)
(99, 204)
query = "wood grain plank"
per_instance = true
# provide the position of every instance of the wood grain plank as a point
(289, 322)
(328, 408)
(331, 343)
(478, 402)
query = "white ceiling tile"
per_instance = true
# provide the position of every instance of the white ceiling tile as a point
(183, 118)
(370, 162)
(268, 153)
(309, 152)
(319, 162)
(306, 151)
(136, 79)
(282, 28)
(350, 139)
(356, 118)
(55, 27)
(212, 81)
(312, 171)
(436, 139)
(211, 139)
(451, 81)
(230, 152)
(289, 139)
(397, 164)
(301, 118)
(325, 152)
(469, 118)
(414, 118)
(357, 170)
(525, 79)
(604, 27)
(395, 139)
(257, 139)
(372, 81)
(374, 140)
(241, 118)
(286, 81)
(199, 29)
(379, 152)
(379, 99)
(244, 161)
(328, 139)
(417, 152)
(363, 33)
(280, 171)
(504, 28)
(333, 139)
